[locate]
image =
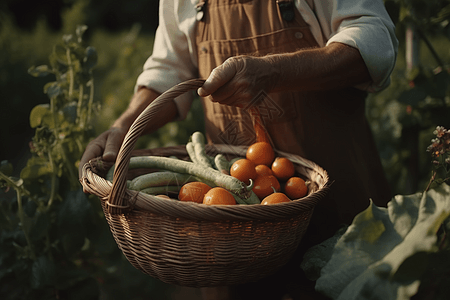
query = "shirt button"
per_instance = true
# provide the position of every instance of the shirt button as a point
(298, 35)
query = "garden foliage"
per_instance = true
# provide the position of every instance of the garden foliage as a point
(54, 240)
(389, 253)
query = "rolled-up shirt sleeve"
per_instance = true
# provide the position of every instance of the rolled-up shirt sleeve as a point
(172, 60)
(365, 25)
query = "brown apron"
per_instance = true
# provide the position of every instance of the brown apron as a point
(327, 127)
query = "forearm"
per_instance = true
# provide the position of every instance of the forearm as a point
(332, 67)
(141, 99)
(240, 78)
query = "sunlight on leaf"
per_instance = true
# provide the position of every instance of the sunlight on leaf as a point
(372, 260)
(39, 71)
(36, 168)
(38, 113)
(52, 89)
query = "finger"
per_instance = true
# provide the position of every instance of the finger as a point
(113, 144)
(218, 77)
(227, 95)
(92, 151)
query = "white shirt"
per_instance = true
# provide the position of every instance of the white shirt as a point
(362, 24)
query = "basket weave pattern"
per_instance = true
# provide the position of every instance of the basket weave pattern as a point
(197, 245)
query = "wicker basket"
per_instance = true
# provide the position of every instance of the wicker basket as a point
(192, 244)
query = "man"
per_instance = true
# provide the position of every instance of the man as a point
(306, 65)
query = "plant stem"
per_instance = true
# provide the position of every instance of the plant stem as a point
(53, 191)
(430, 47)
(22, 222)
(444, 238)
(73, 178)
(11, 183)
(55, 117)
(72, 79)
(91, 101)
(80, 105)
(431, 181)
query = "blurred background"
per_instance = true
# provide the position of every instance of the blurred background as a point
(402, 117)
(121, 32)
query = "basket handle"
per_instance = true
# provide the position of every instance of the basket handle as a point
(116, 201)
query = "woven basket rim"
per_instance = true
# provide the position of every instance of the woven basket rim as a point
(101, 187)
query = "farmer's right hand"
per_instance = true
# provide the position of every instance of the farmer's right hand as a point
(106, 145)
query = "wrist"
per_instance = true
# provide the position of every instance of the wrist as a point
(140, 100)
(123, 122)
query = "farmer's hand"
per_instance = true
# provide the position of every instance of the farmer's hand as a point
(239, 79)
(106, 145)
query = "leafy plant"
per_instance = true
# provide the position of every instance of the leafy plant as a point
(403, 115)
(46, 225)
(393, 252)
(440, 153)
(54, 240)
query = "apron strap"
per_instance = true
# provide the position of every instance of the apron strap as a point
(200, 8)
(286, 8)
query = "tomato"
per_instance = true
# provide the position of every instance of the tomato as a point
(275, 198)
(262, 170)
(260, 153)
(219, 196)
(244, 170)
(193, 191)
(265, 185)
(295, 188)
(283, 168)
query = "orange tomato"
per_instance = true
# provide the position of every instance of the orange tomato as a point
(193, 191)
(264, 186)
(295, 188)
(218, 196)
(262, 170)
(244, 170)
(275, 198)
(283, 168)
(260, 153)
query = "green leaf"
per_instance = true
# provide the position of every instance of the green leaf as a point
(41, 225)
(39, 71)
(369, 260)
(81, 29)
(30, 208)
(6, 167)
(59, 56)
(87, 289)
(38, 113)
(413, 96)
(74, 221)
(43, 273)
(68, 38)
(53, 89)
(69, 277)
(435, 279)
(439, 85)
(319, 255)
(70, 112)
(404, 13)
(90, 59)
(36, 167)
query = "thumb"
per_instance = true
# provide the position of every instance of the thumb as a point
(218, 77)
